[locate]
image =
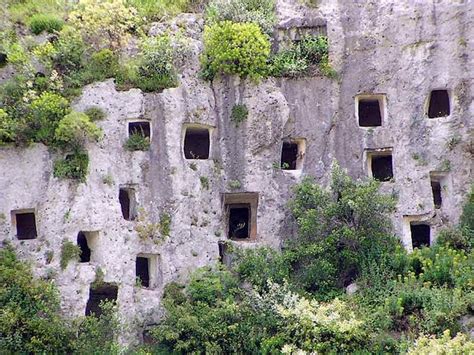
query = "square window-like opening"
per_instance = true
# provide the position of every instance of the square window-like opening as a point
(140, 127)
(439, 104)
(380, 164)
(142, 271)
(196, 143)
(128, 203)
(97, 294)
(370, 109)
(420, 235)
(241, 215)
(25, 223)
(83, 244)
(369, 113)
(239, 221)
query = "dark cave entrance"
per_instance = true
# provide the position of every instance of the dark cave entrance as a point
(196, 143)
(85, 255)
(439, 104)
(97, 294)
(25, 225)
(289, 156)
(141, 127)
(420, 235)
(369, 113)
(382, 167)
(127, 203)
(436, 189)
(142, 270)
(239, 221)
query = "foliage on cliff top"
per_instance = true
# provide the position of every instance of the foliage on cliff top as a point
(235, 49)
(260, 12)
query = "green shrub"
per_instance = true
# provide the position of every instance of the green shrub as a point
(154, 68)
(7, 128)
(258, 266)
(104, 23)
(155, 10)
(239, 114)
(204, 182)
(341, 231)
(460, 344)
(95, 113)
(235, 49)
(69, 251)
(102, 65)
(137, 141)
(467, 217)
(303, 58)
(98, 335)
(74, 166)
(45, 22)
(165, 224)
(70, 50)
(260, 12)
(29, 320)
(75, 129)
(45, 113)
(418, 308)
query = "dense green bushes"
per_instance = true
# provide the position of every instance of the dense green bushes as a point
(344, 236)
(260, 12)
(303, 58)
(30, 321)
(154, 68)
(73, 166)
(235, 48)
(45, 22)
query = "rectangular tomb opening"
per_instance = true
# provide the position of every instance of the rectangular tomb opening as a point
(25, 224)
(439, 105)
(197, 143)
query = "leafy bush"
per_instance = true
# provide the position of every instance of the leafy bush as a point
(98, 335)
(158, 9)
(260, 12)
(7, 128)
(74, 166)
(102, 65)
(69, 251)
(95, 113)
(45, 22)
(205, 318)
(104, 23)
(317, 327)
(137, 141)
(239, 114)
(303, 58)
(416, 307)
(70, 50)
(154, 68)
(75, 129)
(45, 113)
(340, 231)
(29, 321)
(460, 344)
(260, 265)
(235, 48)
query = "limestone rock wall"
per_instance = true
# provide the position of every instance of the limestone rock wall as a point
(399, 50)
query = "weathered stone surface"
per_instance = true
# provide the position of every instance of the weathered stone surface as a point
(382, 47)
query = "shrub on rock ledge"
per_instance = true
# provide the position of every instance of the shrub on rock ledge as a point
(235, 49)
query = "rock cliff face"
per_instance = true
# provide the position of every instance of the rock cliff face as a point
(387, 53)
